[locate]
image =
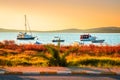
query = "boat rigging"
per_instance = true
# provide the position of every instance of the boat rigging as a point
(25, 35)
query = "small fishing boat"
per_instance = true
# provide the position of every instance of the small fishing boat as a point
(25, 35)
(57, 39)
(37, 42)
(87, 37)
(98, 41)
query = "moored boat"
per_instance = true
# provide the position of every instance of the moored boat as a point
(25, 35)
(58, 40)
(87, 37)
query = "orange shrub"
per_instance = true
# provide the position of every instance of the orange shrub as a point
(32, 47)
(92, 50)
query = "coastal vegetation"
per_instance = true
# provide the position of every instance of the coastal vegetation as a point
(12, 54)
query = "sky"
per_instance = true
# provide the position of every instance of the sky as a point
(47, 15)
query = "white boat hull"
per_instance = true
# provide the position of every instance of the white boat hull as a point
(98, 41)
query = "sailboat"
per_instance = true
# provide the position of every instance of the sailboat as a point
(25, 35)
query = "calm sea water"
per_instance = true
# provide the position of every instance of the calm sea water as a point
(45, 38)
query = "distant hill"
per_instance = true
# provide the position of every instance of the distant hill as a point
(66, 30)
(93, 30)
(104, 30)
(9, 30)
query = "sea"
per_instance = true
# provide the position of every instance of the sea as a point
(70, 38)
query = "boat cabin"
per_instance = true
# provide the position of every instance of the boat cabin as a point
(87, 37)
(24, 36)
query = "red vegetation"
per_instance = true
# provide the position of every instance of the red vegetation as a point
(92, 50)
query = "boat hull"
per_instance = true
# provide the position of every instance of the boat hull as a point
(32, 38)
(58, 40)
(98, 41)
(86, 40)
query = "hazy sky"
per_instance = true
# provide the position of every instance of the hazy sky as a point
(59, 14)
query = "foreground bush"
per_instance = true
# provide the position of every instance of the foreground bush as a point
(55, 59)
(12, 54)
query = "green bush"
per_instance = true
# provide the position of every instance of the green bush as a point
(56, 59)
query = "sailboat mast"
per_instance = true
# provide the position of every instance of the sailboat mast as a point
(25, 24)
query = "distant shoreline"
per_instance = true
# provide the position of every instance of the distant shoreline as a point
(93, 30)
(57, 32)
